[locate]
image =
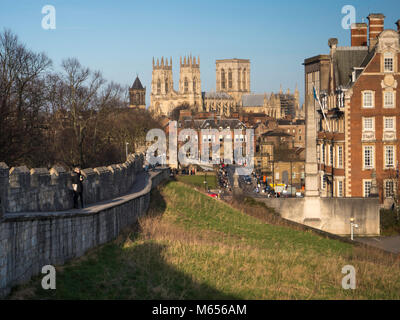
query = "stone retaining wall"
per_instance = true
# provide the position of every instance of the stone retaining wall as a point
(333, 214)
(30, 241)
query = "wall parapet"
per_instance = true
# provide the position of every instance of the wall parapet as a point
(40, 189)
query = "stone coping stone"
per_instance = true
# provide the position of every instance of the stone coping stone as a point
(57, 170)
(40, 171)
(4, 166)
(88, 172)
(101, 170)
(19, 170)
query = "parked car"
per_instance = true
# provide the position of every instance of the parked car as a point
(213, 195)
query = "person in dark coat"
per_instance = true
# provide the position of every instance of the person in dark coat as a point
(77, 186)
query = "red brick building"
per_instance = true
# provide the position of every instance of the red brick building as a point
(358, 87)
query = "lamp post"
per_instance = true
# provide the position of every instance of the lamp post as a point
(352, 226)
(205, 182)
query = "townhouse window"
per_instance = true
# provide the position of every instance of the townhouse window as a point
(388, 99)
(368, 124)
(330, 155)
(340, 157)
(340, 188)
(323, 153)
(367, 188)
(368, 157)
(388, 62)
(389, 123)
(368, 99)
(319, 153)
(389, 188)
(389, 156)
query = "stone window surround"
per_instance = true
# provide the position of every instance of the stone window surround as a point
(393, 187)
(394, 98)
(386, 54)
(363, 124)
(385, 166)
(369, 181)
(372, 155)
(372, 99)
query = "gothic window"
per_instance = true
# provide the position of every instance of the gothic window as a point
(223, 84)
(166, 86)
(244, 79)
(158, 86)
(185, 86)
(137, 100)
(230, 79)
(194, 85)
(239, 77)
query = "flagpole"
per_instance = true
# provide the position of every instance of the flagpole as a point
(322, 109)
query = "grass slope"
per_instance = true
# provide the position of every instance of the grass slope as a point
(198, 181)
(191, 246)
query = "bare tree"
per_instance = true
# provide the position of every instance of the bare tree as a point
(22, 75)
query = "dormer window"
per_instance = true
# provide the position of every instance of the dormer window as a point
(388, 62)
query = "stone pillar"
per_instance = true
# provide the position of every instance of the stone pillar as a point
(311, 167)
(312, 210)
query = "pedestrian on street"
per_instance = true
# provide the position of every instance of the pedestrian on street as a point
(77, 186)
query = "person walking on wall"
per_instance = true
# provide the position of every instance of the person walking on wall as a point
(77, 186)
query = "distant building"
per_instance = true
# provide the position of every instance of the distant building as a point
(232, 95)
(137, 95)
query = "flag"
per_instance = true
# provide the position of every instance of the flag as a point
(322, 108)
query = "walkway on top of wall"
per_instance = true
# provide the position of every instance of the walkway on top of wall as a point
(139, 188)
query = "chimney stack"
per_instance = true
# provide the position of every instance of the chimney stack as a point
(376, 26)
(359, 35)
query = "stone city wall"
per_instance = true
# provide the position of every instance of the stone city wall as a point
(40, 189)
(29, 241)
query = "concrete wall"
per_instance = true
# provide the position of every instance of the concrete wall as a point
(30, 241)
(334, 213)
(40, 189)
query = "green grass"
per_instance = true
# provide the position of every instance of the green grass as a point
(198, 181)
(191, 246)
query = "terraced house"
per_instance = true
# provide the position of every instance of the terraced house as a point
(358, 87)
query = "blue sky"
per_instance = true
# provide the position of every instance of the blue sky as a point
(120, 38)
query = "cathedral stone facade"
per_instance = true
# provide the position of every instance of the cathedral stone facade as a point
(233, 92)
(233, 77)
(163, 98)
(137, 95)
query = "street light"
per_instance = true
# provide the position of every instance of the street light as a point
(352, 226)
